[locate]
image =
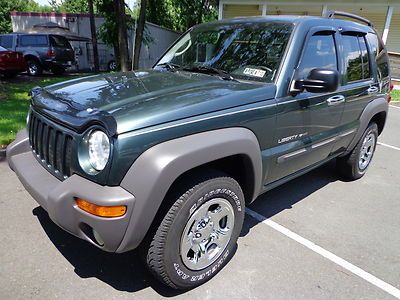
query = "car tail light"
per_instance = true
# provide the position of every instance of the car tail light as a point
(51, 53)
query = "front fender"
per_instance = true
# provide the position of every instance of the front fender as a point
(154, 171)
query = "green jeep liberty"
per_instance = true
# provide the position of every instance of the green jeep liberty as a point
(167, 159)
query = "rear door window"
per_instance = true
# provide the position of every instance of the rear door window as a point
(364, 58)
(356, 58)
(319, 52)
(6, 41)
(33, 40)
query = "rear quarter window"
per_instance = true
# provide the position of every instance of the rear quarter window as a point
(378, 52)
(33, 40)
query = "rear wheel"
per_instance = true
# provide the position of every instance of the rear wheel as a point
(198, 235)
(355, 164)
(34, 67)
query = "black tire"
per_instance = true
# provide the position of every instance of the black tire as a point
(163, 254)
(349, 165)
(58, 70)
(34, 67)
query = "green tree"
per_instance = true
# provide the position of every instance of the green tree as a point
(181, 14)
(194, 12)
(7, 6)
(74, 6)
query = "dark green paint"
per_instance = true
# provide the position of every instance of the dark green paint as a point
(153, 106)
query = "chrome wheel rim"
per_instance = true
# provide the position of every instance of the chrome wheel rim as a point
(367, 150)
(33, 68)
(113, 66)
(207, 233)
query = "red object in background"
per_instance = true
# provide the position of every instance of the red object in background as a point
(391, 89)
(11, 62)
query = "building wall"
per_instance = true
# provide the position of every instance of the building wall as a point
(393, 41)
(375, 11)
(231, 11)
(79, 24)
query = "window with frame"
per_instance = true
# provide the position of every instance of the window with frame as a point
(356, 58)
(319, 52)
(377, 51)
(6, 41)
(33, 40)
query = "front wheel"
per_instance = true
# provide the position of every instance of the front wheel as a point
(355, 164)
(198, 235)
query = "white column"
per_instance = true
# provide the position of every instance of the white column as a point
(264, 9)
(220, 10)
(324, 9)
(387, 24)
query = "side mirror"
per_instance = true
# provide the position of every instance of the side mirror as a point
(318, 81)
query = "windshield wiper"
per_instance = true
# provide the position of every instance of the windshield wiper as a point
(169, 66)
(209, 70)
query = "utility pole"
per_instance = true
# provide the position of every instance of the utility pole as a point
(94, 36)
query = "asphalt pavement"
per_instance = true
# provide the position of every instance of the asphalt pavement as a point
(316, 237)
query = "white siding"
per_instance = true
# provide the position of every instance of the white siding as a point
(393, 41)
(233, 10)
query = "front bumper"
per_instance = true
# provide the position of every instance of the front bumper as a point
(58, 198)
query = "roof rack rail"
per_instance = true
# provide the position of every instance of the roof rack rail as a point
(332, 13)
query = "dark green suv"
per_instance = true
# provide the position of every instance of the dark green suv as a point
(167, 159)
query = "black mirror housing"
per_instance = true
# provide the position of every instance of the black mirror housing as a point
(319, 81)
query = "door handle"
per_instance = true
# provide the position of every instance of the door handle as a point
(372, 90)
(335, 100)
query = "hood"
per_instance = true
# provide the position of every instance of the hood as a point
(134, 100)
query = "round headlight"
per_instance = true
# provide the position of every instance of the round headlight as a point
(99, 149)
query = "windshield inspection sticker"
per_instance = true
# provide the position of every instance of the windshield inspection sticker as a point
(254, 72)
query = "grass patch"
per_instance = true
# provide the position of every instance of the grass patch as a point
(14, 103)
(395, 95)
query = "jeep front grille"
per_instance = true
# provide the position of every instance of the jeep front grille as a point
(51, 147)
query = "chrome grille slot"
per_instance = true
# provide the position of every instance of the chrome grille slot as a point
(51, 146)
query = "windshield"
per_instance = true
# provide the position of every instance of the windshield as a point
(244, 51)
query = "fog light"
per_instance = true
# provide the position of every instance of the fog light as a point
(101, 211)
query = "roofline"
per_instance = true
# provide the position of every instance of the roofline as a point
(71, 15)
(49, 14)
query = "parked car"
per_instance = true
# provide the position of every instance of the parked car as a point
(11, 62)
(41, 51)
(167, 159)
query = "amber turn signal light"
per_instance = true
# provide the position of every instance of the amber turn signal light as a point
(101, 211)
